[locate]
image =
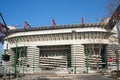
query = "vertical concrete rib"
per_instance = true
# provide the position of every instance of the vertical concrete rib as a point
(33, 58)
(11, 53)
(78, 57)
(110, 53)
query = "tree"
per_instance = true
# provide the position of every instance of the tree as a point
(111, 6)
(94, 53)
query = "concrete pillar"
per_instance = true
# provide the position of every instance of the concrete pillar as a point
(11, 53)
(33, 58)
(78, 57)
(109, 53)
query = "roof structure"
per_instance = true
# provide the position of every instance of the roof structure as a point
(102, 25)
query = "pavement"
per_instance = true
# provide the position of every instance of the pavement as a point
(65, 77)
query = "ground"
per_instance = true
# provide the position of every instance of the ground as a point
(62, 76)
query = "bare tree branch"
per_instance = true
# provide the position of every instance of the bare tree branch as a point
(111, 6)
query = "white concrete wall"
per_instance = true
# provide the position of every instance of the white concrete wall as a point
(87, 29)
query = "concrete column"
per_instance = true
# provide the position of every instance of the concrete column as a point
(11, 53)
(33, 58)
(109, 53)
(78, 57)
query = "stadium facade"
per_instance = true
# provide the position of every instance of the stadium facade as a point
(76, 48)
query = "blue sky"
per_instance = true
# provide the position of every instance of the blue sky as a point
(40, 12)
